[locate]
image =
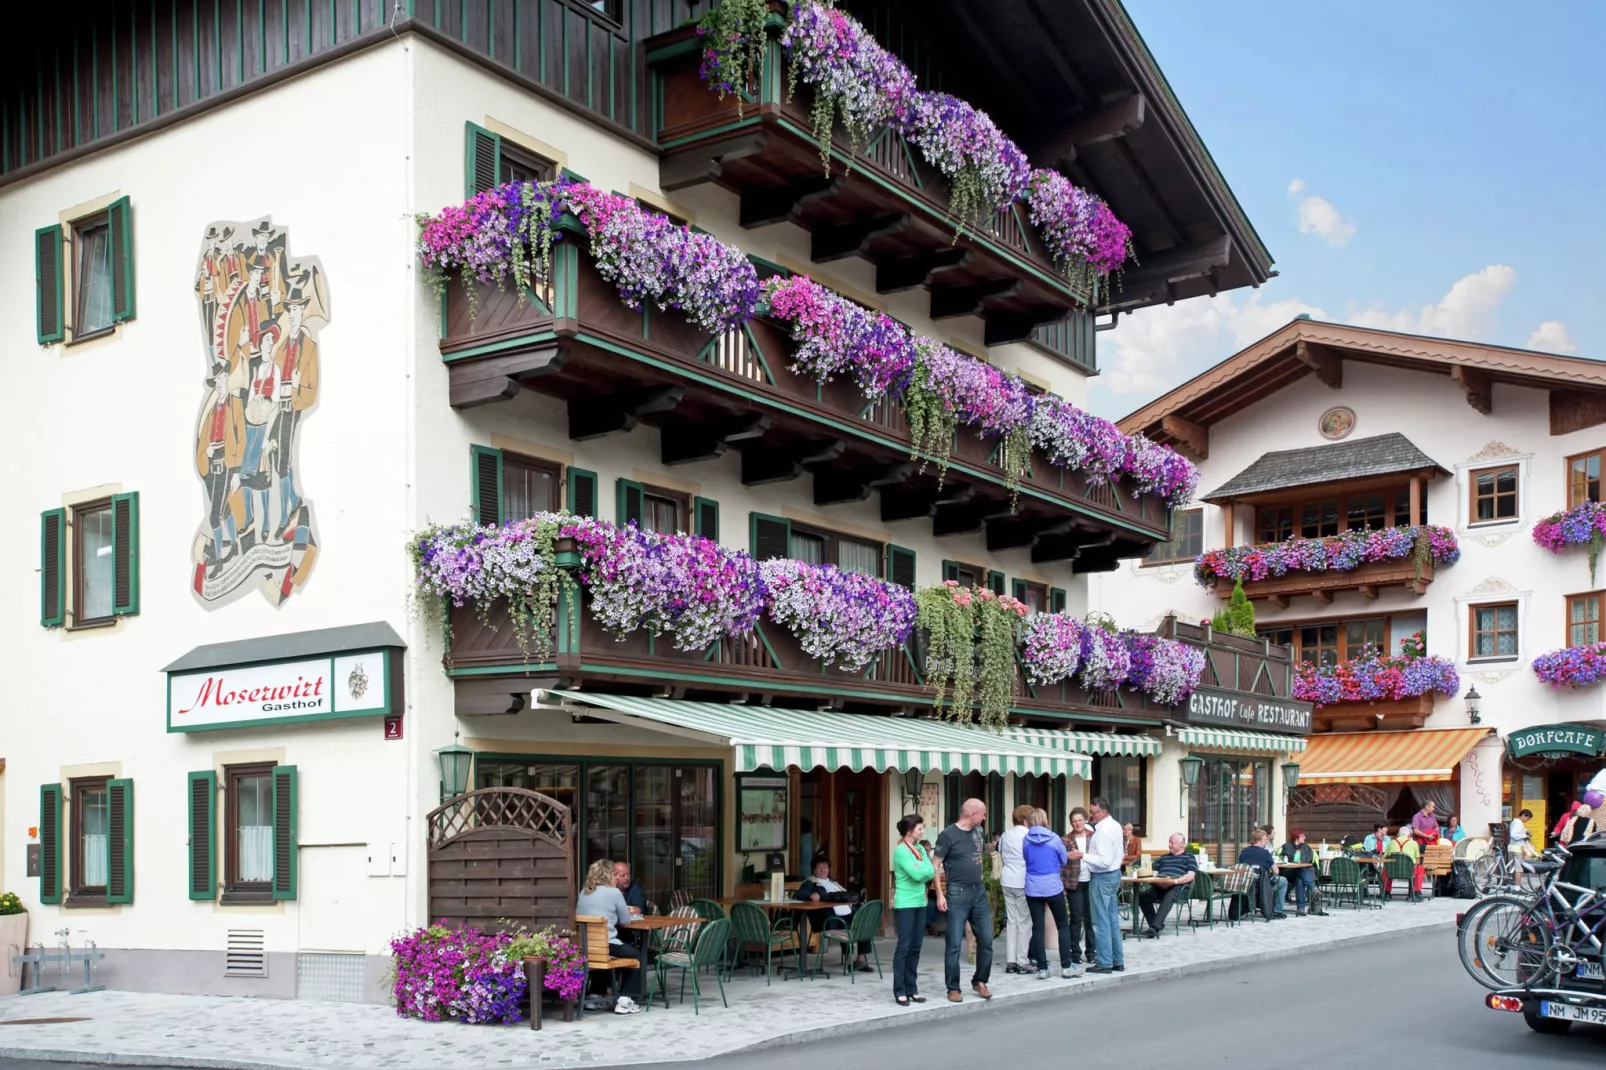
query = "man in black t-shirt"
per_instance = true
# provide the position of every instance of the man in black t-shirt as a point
(1174, 872)
(962, 895)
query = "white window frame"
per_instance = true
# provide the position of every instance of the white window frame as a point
(1463, 483)
(1463, 627)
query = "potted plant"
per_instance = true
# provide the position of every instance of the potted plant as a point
(552, 963)
(13, 934)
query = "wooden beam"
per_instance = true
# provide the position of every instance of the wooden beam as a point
(1325, 597)
(616, 413)
(1229, 519)
(1008, 533)
(1327, 366)
(687, 442)
(1115, 119)
(838, 485)
(1281, 600)
(913, 272)
(1575, 410)
(1368, 591)
(1480, 391)
(480, 382)
(705, 163)
(1416, 499)
(1193, 438)
(950, 301)
(762, 465)
(1005, 327)
(764, 206)
(846, 240)
(1180, 263)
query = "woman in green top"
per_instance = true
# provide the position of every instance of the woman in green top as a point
(911, 871)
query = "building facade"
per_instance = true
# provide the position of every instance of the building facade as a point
(221, 225)
(1326, 432)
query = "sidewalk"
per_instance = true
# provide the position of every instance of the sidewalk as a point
(134, 1029)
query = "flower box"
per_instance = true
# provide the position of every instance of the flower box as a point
(1381, 716)
(1367, 579)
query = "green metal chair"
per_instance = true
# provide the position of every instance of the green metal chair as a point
(1348, 880)
(707, 949)
(752, 929)
(707, 909)
(1401, 871)
(866, 922)
(1202, 890)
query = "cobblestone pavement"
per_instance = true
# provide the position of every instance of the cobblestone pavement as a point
(137, 1029)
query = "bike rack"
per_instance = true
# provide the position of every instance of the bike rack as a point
(66, 956)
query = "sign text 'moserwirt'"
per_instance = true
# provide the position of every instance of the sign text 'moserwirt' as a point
(353, 684)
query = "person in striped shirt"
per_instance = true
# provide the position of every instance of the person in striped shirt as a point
(1174, 872)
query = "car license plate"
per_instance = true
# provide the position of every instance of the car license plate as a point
(1569, 1012)
(1590, 971)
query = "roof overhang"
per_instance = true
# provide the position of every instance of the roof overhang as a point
(1351, 464)
(1305, 347)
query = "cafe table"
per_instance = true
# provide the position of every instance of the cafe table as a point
(806, 906)
(1133, 882)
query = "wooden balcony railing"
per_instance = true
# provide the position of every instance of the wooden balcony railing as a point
(1368, 579)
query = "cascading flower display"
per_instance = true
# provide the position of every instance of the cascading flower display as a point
(733, 46)
(1051, 647)
(1372, 677)
(445, 971)
(684, 585)
(970, 650)
(1081, 232)
(1574, 666)
(1164, 669)
(986, 171)
(1344, 552)
(841, 618)
(836, 336)
(1106, 662)
(1582, 525)
(855, 80)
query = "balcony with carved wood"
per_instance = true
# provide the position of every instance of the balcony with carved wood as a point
(1368, 580)
(572, 339)
(1374, 716)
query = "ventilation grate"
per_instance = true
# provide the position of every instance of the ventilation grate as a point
(246, 956)
(330, 977)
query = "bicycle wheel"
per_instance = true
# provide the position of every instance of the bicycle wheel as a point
(1467, 938)
(1488, 873)
(1513, 940)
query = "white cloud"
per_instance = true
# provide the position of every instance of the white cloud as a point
(1318, 216)
(1551, 336)
(1296, 187)
(1470, 310)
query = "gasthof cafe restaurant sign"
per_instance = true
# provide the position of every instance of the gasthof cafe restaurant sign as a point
(1236, 709)
(317, 688)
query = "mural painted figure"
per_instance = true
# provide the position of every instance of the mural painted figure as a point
(261, 309)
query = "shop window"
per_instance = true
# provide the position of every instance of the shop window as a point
(1231, 797)
(1124, 780)
(1186, 542)
(1583, 618)
(1494, 494)
(1583, 477)
(1494, 630)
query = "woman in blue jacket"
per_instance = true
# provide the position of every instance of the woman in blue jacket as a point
(1045, 854)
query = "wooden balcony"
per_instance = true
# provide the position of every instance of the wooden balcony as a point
(1374, 716)
(880, 200)
(1368, 579)
(614, 369)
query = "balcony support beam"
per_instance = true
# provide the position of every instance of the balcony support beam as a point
(705, 163)
(1005, 327)
(1479, 389)
(962, 519)
(761, 465)
(834, 486)
(853, 239)
(1012, 533)
(617, 413)
(912, 503)
(1193, 438)
(1068, 547)
(1115, 119)
(689, 442)
(783, 204)
(914, 272)
(481, 382)
(950, 301)
(1325, 364)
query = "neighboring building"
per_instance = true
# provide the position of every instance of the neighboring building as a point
(1319, 429)
(252, 393)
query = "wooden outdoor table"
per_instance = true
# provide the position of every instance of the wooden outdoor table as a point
(1133, 881)
(650, 922)
(784, 904)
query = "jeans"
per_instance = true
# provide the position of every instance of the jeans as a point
(1018, 929)
(1102, 893)
(1081, 924)
(1055, 905)
(911, 926)
(1304, 882)
(968, 902)
(1279, 894)
(1148, 894)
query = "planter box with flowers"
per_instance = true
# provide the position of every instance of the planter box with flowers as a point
(1582, 525)
(1374, 691)
(13, 934)
(443, 972)
(1354, 560)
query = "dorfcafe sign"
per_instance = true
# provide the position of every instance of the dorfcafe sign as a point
(1235, 709)
(321, 688)
(1556, 739)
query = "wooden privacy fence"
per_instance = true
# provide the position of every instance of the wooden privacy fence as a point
(500, 857)
(1332, 811)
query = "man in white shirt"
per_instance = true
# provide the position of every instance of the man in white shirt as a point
(1018, 915)
(1102, 864)
(1519, 841)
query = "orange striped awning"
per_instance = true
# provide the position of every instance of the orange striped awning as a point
(1423, 755)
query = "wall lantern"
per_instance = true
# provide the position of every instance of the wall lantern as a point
(1190, 776)
(456, 761)
(913, 781)
(1472, 699)
(1291, 775)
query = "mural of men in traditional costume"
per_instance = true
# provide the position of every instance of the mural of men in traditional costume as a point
(261, 313)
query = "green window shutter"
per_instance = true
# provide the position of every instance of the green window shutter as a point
(50, 843)
(995, 581)
(202, 805)
(951, 799)
(627, 502)
(768, 536)
(950, 571)
(284, 832)
(53, 567)
(1017, 589)
(581, 499)
(120, 841)
(120, 226)
(125, 554)
(1057, 814)
(706, 517)
(901, 566)
(996, 818)
(482, 160)
(1056, 600)
(486, 479)
(48, 318)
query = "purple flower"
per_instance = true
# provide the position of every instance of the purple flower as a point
(841, 618)
(1344, 552)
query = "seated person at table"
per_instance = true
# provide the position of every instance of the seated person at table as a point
(1425, 825)
(1304, 878)
(1131, 846)
(1404, 843)
(1257, 854)
(600, 899)
(1377, 843)
(1453, 832)
(1174, 871)
(821, 888)
(635, 895)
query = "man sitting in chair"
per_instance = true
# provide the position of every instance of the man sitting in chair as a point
(1174, 873)
(821, 888)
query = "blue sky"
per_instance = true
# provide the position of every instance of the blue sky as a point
(1428, 166)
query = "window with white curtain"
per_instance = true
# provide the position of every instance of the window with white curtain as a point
(254, 830)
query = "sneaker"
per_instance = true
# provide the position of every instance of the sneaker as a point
(626, 1005)
(1073, 970)
(1042, 975)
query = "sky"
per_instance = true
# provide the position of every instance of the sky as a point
(1428, 166)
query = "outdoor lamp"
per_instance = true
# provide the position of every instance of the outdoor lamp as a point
(1190, 777)
(1290, 775)
(913, 780)
(1472, 699)
(455, 763)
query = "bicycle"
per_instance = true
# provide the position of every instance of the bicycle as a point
(1513, 941)
(1497, 870)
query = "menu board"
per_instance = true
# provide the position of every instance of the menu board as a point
(761, 813)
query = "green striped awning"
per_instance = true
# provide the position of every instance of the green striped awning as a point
(1238, 740)
(767, 738)
(1086, 742)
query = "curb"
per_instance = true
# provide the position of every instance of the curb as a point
(936, 1013)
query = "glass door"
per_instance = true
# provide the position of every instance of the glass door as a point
(698, 832)
(1233, 795)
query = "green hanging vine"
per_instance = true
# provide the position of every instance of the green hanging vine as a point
(733, 46)
(996, 660)
(948, 617)
(932, 423)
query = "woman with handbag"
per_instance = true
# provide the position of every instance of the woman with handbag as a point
(912, 871)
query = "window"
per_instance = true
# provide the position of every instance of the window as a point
(1402, 507)
(608, 8)
(90, 861)
(248, 828)
(1494, 630)
(528, 487)
(1318, 520)
(1330, 642)
(662, 511)
(1035, 595)
(92, 276)
(1125, 782)
(963, 574)
(1365, 512)
(1186, 542)
(1371, 511)
(92, 571)
(1274, 525)
(519, 164)
(1583, 477)
(828, 548)
(1583, 618)
(1494, 494)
